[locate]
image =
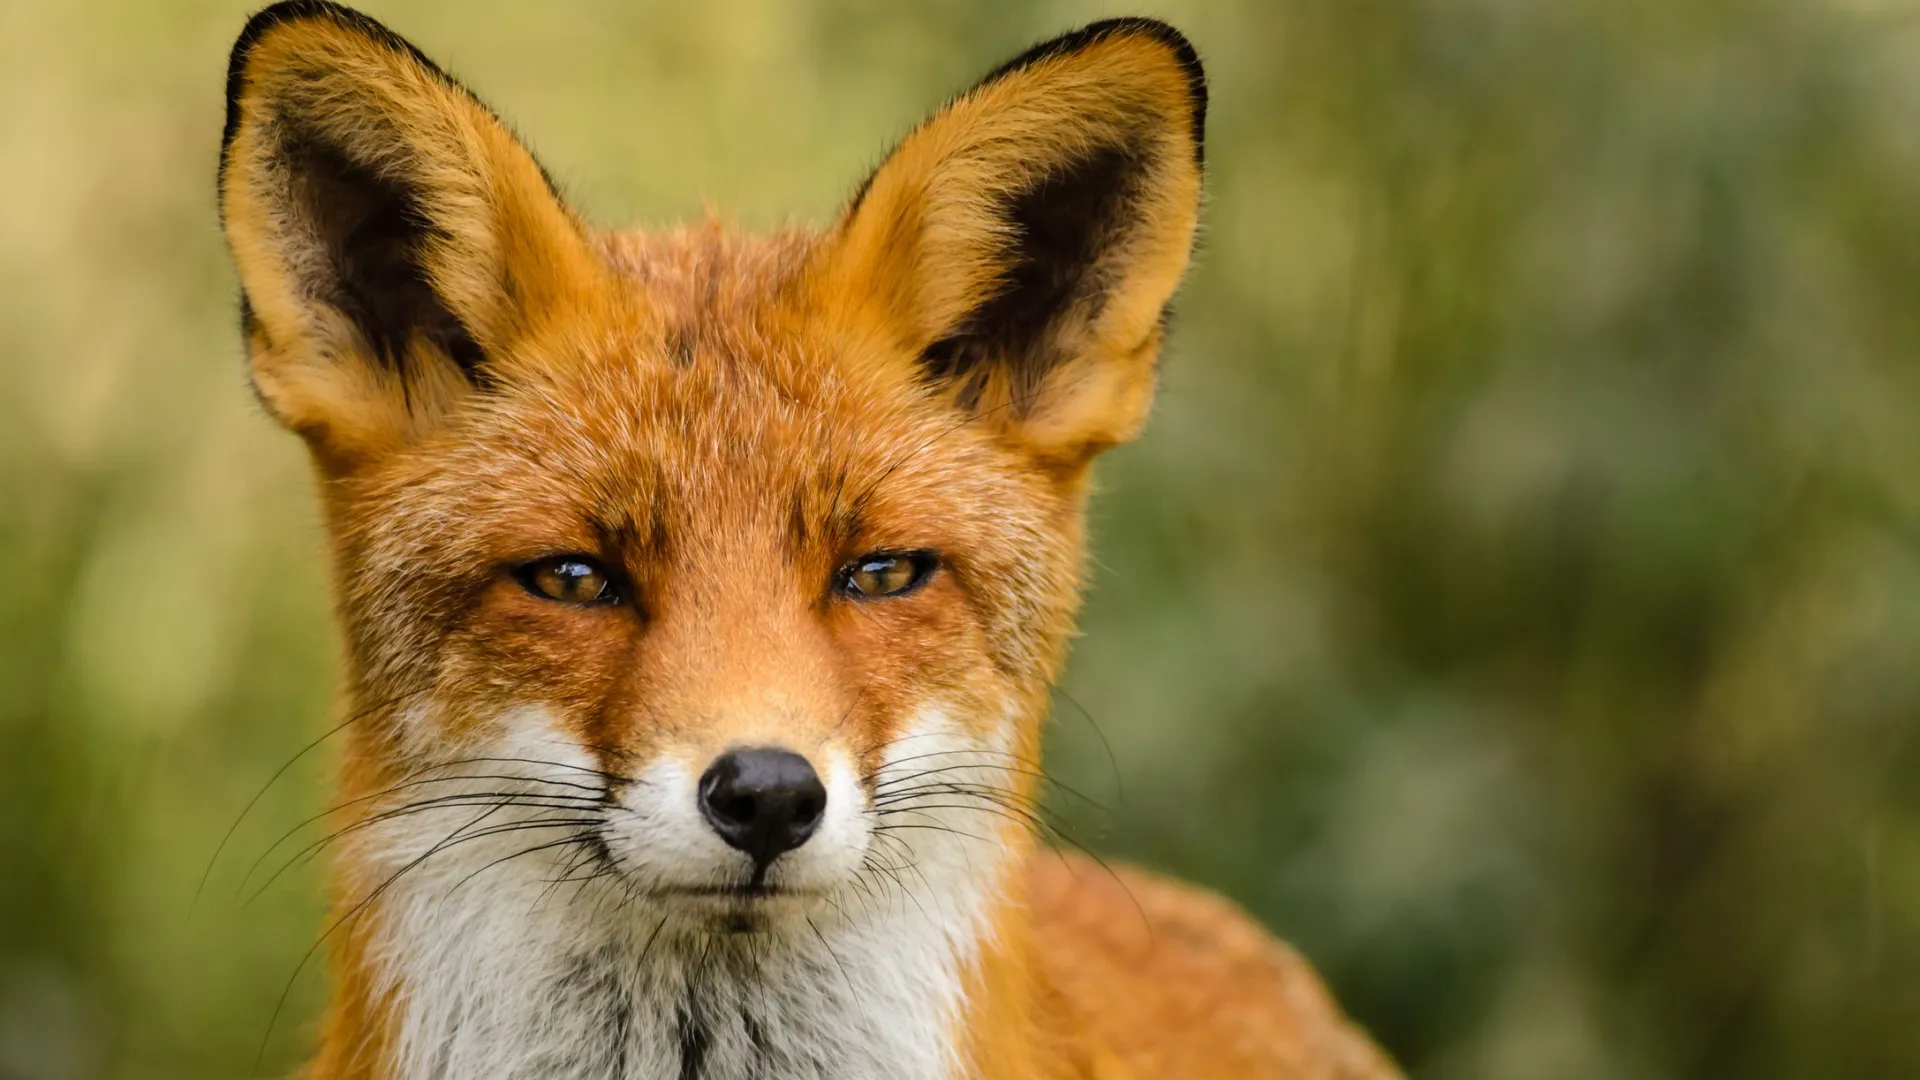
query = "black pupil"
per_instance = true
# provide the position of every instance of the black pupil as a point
(885, 575)
(574, 578)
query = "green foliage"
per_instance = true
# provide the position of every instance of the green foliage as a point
(1515, 601)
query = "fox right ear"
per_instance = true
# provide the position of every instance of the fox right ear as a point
(393, 239)
(1023, 244)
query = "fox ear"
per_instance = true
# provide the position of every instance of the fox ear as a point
(393, 240)
(1024, 243)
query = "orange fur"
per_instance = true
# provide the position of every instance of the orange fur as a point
(724, 420)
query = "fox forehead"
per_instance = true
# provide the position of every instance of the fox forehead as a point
(707, 399)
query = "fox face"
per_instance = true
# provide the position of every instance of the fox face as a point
(732, 569)
(716, 582)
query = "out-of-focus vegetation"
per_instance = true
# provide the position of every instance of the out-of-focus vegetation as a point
(1516, 601)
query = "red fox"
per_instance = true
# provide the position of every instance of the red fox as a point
(702, 594)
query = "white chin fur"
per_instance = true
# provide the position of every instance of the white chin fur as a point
(515, 962)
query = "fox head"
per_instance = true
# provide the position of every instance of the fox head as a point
(741, 566)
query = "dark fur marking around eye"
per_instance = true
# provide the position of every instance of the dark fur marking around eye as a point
(822, 514)
(659, 528)
(1062, 227)
(798, 530)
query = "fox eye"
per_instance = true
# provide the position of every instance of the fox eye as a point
(570, 579)
(885, 573)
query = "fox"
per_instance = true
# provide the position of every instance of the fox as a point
(702, 594)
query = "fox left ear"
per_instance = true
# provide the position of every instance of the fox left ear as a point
(394, 241)
(1023, 244)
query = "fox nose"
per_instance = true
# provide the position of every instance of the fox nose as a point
(764, 801)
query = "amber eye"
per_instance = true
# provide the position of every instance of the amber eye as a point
(885, 573)
(570, 579)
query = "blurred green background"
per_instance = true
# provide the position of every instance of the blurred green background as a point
(1515, 602)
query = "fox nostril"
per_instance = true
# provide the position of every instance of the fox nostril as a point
(739, 809)
(762, 801)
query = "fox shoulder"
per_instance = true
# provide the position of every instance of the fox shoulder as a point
(1176, 981)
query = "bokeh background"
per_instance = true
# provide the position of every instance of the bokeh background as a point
(1515, 602)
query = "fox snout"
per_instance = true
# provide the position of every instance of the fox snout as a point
(764, 801)
(759, 817)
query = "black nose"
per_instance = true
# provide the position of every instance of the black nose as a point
(763, 801)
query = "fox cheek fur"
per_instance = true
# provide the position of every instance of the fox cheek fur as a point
(702, 592)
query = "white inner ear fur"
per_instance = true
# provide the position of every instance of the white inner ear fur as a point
(534, 965)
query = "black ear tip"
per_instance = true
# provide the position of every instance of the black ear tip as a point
(291, 12)
(1162, 32)
(1091, 34)
(272, 17)
(259, 25)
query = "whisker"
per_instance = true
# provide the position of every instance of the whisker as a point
(896, 826)
(989, 804)
(1026, 821)
(337, 807)
(1031, 769)
(836, 958)
(1113, 762)
(563, 841)
(357, 908)
(498, 759)
(275, 778)
(497, 800)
